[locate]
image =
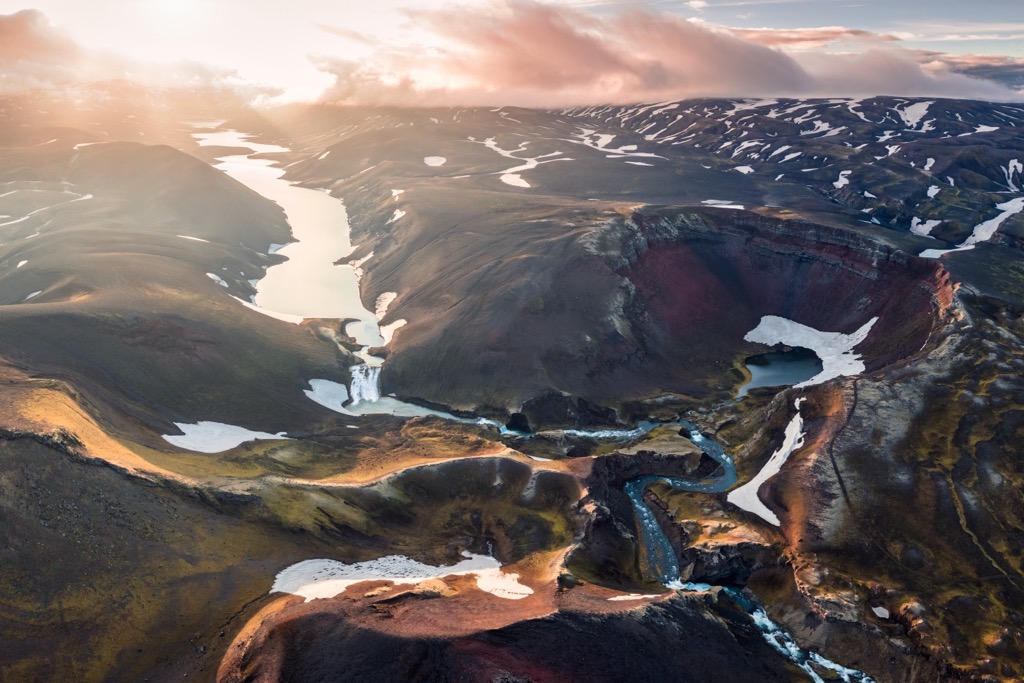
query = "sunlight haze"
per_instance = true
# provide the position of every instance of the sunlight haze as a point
(304, 48)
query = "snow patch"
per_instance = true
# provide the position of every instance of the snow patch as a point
(631, 596)
(722, 204)
(936, 253)
(843, 179)
(514, 179)
(745, 497)
(283, 317)
(983, 232)
(331, 395)
(366, 399)
(357, 265)
(913, 113)
(20, 264)
(318, 579)
(744, 169)
(434, 161)
(923, 228)
(600, 141)
(834, 349)
(1015, 167)
(388, 331)
(214, 437)
(819, 127)
(218, 279)
(382, 304)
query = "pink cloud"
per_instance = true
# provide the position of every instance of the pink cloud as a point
(811, 38)
(27, 36)
(531, 54)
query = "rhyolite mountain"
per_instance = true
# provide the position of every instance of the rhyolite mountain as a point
(583, 268)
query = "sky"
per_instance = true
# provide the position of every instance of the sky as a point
(521, 51)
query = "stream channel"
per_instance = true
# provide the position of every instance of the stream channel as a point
(310, 285)
(661, 558)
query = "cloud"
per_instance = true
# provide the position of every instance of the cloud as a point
(527, 53)
(812, 38)
(896, 72)
(27, 36)
(539, 55)
(36, 56)
(531, 54)
(348, 34)
(1008, 71)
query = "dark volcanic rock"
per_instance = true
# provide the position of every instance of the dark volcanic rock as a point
(554, 410)
(656, 303)
(517, 422)
(682, 639)
(608, 551)
(546, 294)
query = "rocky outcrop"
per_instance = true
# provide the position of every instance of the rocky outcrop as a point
(710, 639)
(908, 496)
(609, 551)
(726, 563)
(556, 410)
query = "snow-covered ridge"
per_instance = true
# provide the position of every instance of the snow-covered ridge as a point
(826, 137)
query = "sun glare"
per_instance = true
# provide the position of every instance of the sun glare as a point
(179, 11)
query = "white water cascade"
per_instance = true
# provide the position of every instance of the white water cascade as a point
(365, 383)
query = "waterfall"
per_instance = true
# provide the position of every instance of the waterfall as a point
(365, 385)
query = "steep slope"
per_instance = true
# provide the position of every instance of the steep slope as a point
(105, 256)
(500, 243)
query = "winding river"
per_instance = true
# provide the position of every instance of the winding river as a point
(309, 284)
(664, 564)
